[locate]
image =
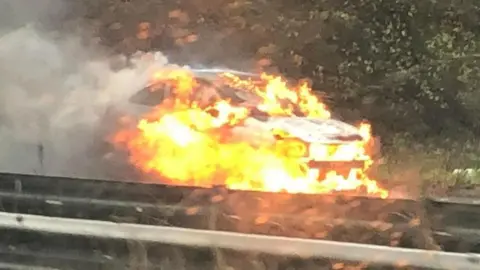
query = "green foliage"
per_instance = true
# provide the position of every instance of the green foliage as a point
(415, 58)
(411, 67)
(442, 161)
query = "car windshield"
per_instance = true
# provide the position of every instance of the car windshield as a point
(155, 94)
(149, 96)
(236, 95)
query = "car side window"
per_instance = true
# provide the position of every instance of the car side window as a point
(232, 94)
(150, 96)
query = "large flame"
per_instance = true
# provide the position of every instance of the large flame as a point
(184, 143)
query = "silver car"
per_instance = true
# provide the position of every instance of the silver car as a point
(317, 135)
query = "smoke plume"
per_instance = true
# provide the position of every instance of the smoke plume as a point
(54, 91)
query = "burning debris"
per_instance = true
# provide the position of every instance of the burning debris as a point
(248, 133)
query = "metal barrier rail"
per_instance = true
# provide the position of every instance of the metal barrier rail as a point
(244, 242)
(18, 266)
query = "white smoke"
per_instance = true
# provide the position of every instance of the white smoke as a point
(53, 92)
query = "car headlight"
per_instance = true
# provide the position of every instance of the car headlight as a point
(336, 152)
(292, 148)
(318, 151)
(298, 149)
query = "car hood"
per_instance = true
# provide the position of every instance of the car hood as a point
(316, 130)
(307, 129)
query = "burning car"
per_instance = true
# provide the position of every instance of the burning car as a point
(241, 130)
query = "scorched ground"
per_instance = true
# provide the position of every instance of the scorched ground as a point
(243, 131)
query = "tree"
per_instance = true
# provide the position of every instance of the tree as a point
(414, 60)
(409, 66)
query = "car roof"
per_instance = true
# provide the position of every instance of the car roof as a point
(220, 70)
(208, 76)
(212, 72)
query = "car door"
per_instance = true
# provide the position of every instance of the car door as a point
(140, 103)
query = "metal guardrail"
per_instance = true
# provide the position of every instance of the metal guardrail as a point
(94, 208)
(19, 266)
(243, 242)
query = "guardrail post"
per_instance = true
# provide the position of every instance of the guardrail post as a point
(214, 212)
(41, 156)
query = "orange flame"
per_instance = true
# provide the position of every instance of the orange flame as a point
(186, 144)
